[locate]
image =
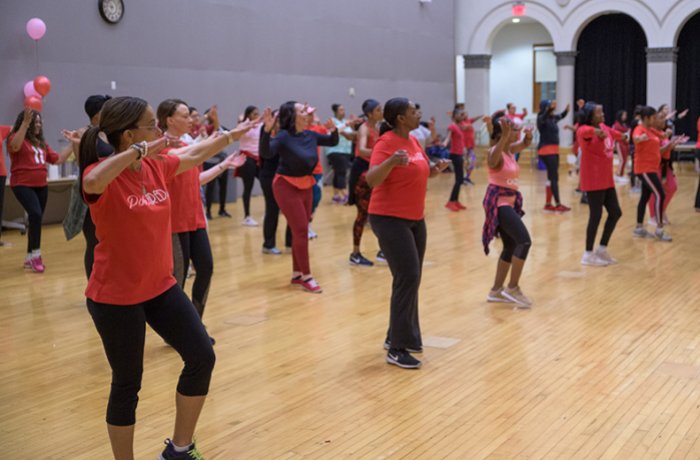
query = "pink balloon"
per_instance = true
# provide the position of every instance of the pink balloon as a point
(36, 28)
(29, 89)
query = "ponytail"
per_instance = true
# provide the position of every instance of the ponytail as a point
(385, 127)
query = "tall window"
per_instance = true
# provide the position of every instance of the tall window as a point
(544, 74)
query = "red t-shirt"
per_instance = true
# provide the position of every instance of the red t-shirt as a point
(402, 194)
(4, 132)
(187, 213)
(134, 256)
(596, 170)
(321, 130)
(28, 164)
(456, 139)
(647, 154)
(468, 132)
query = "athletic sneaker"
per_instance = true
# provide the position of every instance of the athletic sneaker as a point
(224, 213)
(169, 452)
(28, 263)
(562, 208)
(460, 206)
(273, 251)
(549, 208)
(660, 234)
(310, 285)
(641, 232)
(358, 259)
(337, 199)
(468, 181)
(636, 189)
(497, 297)
(452, 206)
(296, 280)
(622, 179)
(312, 234)
(380, 257)
(605, 256)
(249, 222)
(387, 346)
(37, 265)
(403, 359)
(517, 296)
(592, 259)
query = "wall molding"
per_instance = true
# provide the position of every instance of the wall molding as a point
(664, 54)
(477, 61)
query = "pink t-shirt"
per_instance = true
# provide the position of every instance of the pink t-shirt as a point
(251, 140)
(507, 177)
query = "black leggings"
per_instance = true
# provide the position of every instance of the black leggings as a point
(363, 193)
(222, 180)
(403, 244)
(122, 329)
(340, 162)
(514, 234)
(272, 213)
(651, 183)
(552, 164)
(194, 246)
(596, 200)
(33, 200)
(458, 166)
(248, 172)
(90, 243)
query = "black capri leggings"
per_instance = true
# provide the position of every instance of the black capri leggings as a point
(596, 200)
(340, 162)
(516, 239)
(458, 166)
(552, 164)
(194, 246)
(122, 329)
(33, 200)
(248, 172)
(651, 183)
(222, 180)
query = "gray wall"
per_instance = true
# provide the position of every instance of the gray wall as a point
(230, 52)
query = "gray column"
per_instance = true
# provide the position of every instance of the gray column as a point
(476, 83)
(566, 61)
(661, 76)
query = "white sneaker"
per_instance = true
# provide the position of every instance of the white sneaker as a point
(312, 234)
(641, 232)
(605, 256)
(661, 235)
(249, 222)
(622, 179)
(592, 259)
(497, 297)
(515, 295)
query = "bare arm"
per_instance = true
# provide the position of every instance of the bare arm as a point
(212, 173)
(495, 158)
(362, 142)
(96, 181)
(522, 145)
(378, 173)
(196, 154)
(21, 133)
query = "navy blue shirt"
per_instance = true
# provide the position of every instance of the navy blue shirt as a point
(297, 152)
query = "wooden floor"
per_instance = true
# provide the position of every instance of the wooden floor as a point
(605, 365)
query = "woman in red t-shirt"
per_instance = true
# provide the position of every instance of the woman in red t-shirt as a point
(29, 154)
(647, 160)
(132, 281)
(456, 139)
(597, 142)
(189, 225)
(399, 170)
(367, 136)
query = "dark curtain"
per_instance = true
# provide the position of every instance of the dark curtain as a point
(688, 77)
(611, 64)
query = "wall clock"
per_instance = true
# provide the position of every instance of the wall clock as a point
(111, 11)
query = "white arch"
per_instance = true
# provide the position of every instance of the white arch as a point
(591, 9)
(677, 17)
(481, 38)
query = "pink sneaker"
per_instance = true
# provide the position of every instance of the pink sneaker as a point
(310, 285)
(28, 263)
(37, 265)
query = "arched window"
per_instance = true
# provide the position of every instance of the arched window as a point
(688, 76)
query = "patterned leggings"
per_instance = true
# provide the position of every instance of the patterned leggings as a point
(363, 192)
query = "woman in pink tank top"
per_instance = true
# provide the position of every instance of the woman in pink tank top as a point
(503, 206)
